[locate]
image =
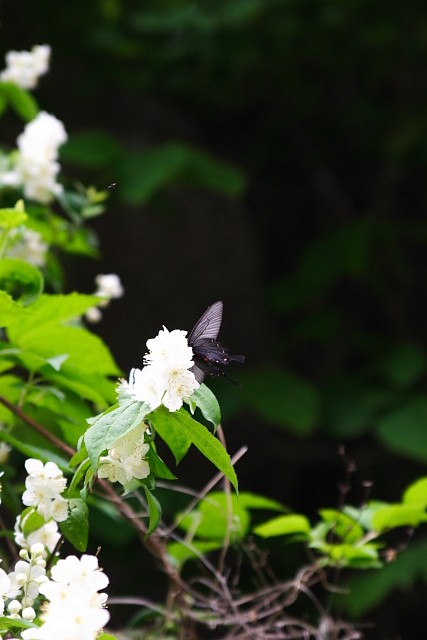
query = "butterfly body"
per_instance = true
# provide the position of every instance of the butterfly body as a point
(209, 354)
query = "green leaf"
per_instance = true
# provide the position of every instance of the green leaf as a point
(111, 425)
(155, 510)
(217, 515)
(404, 365)
(92, 149)
(180, 553)
(351, 410)
(365, 592)
(92, 387)
(54, 309)
(6, 624)
(283, 399)
(11, 311)
(255, 501)
(87, 354)
(10, 388)
(31, 451)
(20, 280)
(398, 515)
(78, 475)
(416, 493)
(76, 527)
(181, 422)
(343, 526)
(157, 466)
(405, 429)
(175, 438)
(283, 526)
(205, 400)
(145, 173)
(356, 557)
(20, 100)
(11, 218)
(32, 522)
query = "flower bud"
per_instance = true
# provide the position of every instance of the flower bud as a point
(28, 614)
(14, 607)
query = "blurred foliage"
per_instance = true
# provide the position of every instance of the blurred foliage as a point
(314, 115)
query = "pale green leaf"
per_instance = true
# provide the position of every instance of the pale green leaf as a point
(205, 400)
(284, 525)
(398, 515)
(416, 493)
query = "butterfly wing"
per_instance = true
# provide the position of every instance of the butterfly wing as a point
(208, 325)
(209, 354)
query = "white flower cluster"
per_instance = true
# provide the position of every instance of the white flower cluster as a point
(166, 377)
(24, 68)
(27, 245)
(125, 460)
(36, 166)
(75, 610)
(20, 588)
(44, 485)
(48, 534)
(109, 287)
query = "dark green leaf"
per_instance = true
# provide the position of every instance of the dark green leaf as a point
(157, 466)
(76, 527)
(405, 429)
(178, 429)
(91, 149)
(175, 438)
(155, 510)
(20, 100)
(283, 399)
(20, 280)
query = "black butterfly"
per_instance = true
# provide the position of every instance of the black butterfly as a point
(209, 354)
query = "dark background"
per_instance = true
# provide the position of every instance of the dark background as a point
(272, 154)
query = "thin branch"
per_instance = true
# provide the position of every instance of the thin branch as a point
(17, 411)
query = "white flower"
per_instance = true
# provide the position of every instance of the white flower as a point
(112, 469)
(170, 348)
(28, 245)
(166, 377)
(93, 315)
(25, 67)
(48, 535)
(36, 167)
(109, 286)
(5, 587)
(125, 460)
(181, 384)
(147, 385)
(44, 484)
(75, 610)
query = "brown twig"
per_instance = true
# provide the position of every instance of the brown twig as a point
(47, 435)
